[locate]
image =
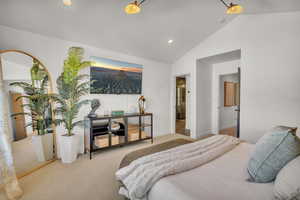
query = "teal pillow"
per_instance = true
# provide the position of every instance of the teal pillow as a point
(272, 152)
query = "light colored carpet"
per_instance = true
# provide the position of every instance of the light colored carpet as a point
(83, 180)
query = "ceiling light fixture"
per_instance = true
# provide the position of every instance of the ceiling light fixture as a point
(233, 8)
(170, 41)
(134, 7)
(67, 2)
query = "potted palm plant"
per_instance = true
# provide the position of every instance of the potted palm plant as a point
(71, 87)
(39, 109)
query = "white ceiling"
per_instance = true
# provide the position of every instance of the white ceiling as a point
(103, 24)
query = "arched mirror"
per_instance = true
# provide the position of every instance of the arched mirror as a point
(28, 86)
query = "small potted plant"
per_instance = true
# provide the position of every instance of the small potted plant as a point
(71, 87)
(39, 109)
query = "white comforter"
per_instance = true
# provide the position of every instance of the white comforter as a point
(139, 177)
(224, 178)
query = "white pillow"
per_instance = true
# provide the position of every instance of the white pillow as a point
(287, 183)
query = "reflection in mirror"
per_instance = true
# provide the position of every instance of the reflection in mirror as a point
(30, 124)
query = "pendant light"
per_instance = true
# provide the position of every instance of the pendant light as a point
(67, 2)
(233, 8)
(134, 7)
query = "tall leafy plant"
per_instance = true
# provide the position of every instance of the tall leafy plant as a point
(71, 88)
(38, 99)
(73, 64)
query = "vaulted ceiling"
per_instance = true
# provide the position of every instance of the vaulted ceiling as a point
(103, 23)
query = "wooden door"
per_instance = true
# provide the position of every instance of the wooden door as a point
(229, 94)
(18, 121)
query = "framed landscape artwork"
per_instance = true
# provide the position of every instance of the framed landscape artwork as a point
(115, 77)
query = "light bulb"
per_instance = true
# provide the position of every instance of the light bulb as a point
(132, 8)
(235, 9)
(67, 2)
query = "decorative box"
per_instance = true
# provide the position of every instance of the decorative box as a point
(117, 112)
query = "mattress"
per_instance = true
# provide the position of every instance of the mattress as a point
(224, 178)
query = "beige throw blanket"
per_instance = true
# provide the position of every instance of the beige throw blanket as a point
(139, 177)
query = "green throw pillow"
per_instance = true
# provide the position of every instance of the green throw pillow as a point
(272, 152)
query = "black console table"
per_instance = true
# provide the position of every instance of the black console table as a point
(132, 128)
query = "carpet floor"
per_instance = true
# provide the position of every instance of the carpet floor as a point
(82, 180)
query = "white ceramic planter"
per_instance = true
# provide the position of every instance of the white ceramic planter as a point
(43, 146)
(69, 148)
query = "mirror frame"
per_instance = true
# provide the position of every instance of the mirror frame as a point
(21, 175)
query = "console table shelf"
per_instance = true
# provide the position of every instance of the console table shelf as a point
(132, 128)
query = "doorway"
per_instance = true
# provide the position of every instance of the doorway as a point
(18, 122)
(182, 106)
(207, 101)
(229, 104)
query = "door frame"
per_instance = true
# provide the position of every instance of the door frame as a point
(188, 101)
(239, 105)
(238, 110)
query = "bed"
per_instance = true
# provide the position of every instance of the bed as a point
(226, 174)
(224, 178)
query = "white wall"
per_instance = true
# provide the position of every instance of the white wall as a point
(270, 46)
(219, 69)
(227, 115)
(52, 52)
(204, 89)
(15, 72)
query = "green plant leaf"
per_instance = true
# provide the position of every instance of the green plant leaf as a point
(78, 123)
(71, 87)
(20, 113)
(58, 122)
(38, 100)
